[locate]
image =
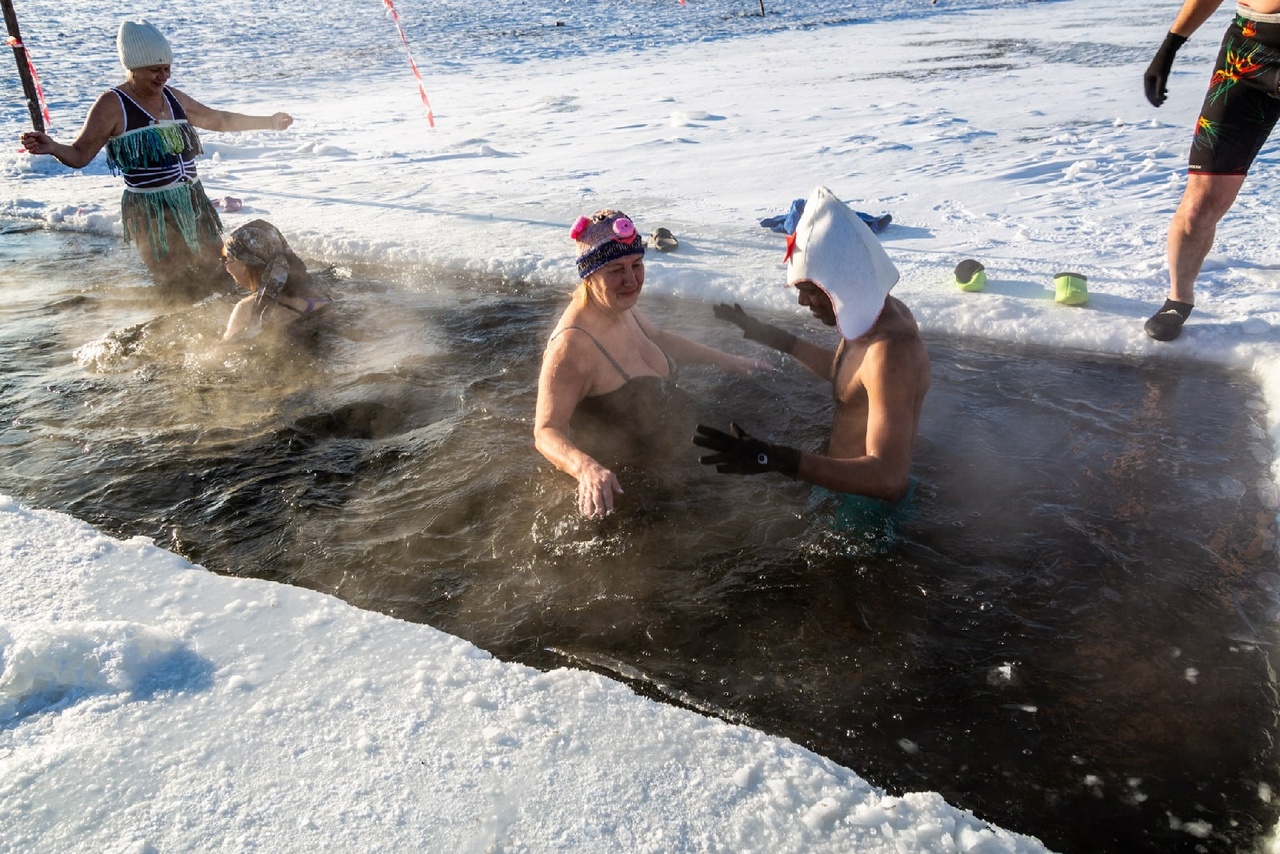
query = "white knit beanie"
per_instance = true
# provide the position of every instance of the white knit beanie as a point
(836, 251)
(141, 45)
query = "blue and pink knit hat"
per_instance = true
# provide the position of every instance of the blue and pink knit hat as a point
(604, 237)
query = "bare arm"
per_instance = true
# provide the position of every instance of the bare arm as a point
(687, 352)
(105, 120)
(562, 385)
(819, 360)
(241, 317)
(226, 121)
(1192, 14)
(892, 381)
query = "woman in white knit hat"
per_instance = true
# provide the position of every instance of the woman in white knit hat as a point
(149, 132)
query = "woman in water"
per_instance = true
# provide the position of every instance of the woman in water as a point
(608, 370)
(281, 291)
(149, 132)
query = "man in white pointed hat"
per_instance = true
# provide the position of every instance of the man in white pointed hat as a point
(879, 371)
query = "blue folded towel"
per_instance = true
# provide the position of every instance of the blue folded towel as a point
(786, 223)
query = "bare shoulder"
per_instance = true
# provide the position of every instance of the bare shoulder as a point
(183, 98)
(568, 345)
(108, 96)
(898, 319)
(567, 374)
(896, 334)
(197, 113)
(188, 103)
(107, 112)
(893, 355)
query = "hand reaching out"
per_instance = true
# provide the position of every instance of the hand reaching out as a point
(738, 453)
(755, 330)
(37, 142)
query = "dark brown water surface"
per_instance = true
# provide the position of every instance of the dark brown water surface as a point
(1071, 633)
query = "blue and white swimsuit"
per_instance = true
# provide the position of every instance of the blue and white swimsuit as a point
(157, 158)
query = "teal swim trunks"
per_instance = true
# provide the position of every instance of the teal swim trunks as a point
(871, 525)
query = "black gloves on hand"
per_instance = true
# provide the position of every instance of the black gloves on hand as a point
(755, 330)
(740, 454)
(1156, 79)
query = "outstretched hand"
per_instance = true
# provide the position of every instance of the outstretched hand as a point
(738, 453)
(281, 121)
(742, 366)
(755, 330)
(735, 314)
(1156, 79)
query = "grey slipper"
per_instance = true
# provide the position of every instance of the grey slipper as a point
(663, 240)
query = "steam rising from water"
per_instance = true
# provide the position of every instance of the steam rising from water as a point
(1075, 620)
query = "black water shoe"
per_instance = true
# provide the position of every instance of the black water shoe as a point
(1166, 324)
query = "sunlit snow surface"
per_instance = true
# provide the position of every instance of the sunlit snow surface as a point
(145, 705)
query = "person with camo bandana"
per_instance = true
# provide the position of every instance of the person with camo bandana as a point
(282, 292)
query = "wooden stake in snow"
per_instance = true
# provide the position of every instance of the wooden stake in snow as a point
(26, 71)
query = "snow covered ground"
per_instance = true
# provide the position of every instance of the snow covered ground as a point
(147, 706)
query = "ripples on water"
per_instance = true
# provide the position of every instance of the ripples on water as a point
(1071, 637)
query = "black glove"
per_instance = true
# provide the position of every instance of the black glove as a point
(1156, 80)
(755, 330)
(740, 454)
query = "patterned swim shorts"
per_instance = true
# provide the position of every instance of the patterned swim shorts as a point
(1243, 101)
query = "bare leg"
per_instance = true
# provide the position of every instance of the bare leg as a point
(169, 267)
(182, 273)
(1205, 201)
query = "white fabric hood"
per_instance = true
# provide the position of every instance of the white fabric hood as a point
(836, 251)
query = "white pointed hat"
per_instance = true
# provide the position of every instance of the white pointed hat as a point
(834, 249)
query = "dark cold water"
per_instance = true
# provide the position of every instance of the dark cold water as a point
(1073, 635)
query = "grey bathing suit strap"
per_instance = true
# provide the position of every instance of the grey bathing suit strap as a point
(626, 376)
(671, 365)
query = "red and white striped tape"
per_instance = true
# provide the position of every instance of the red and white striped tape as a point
(35, 78)
(422, 90)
